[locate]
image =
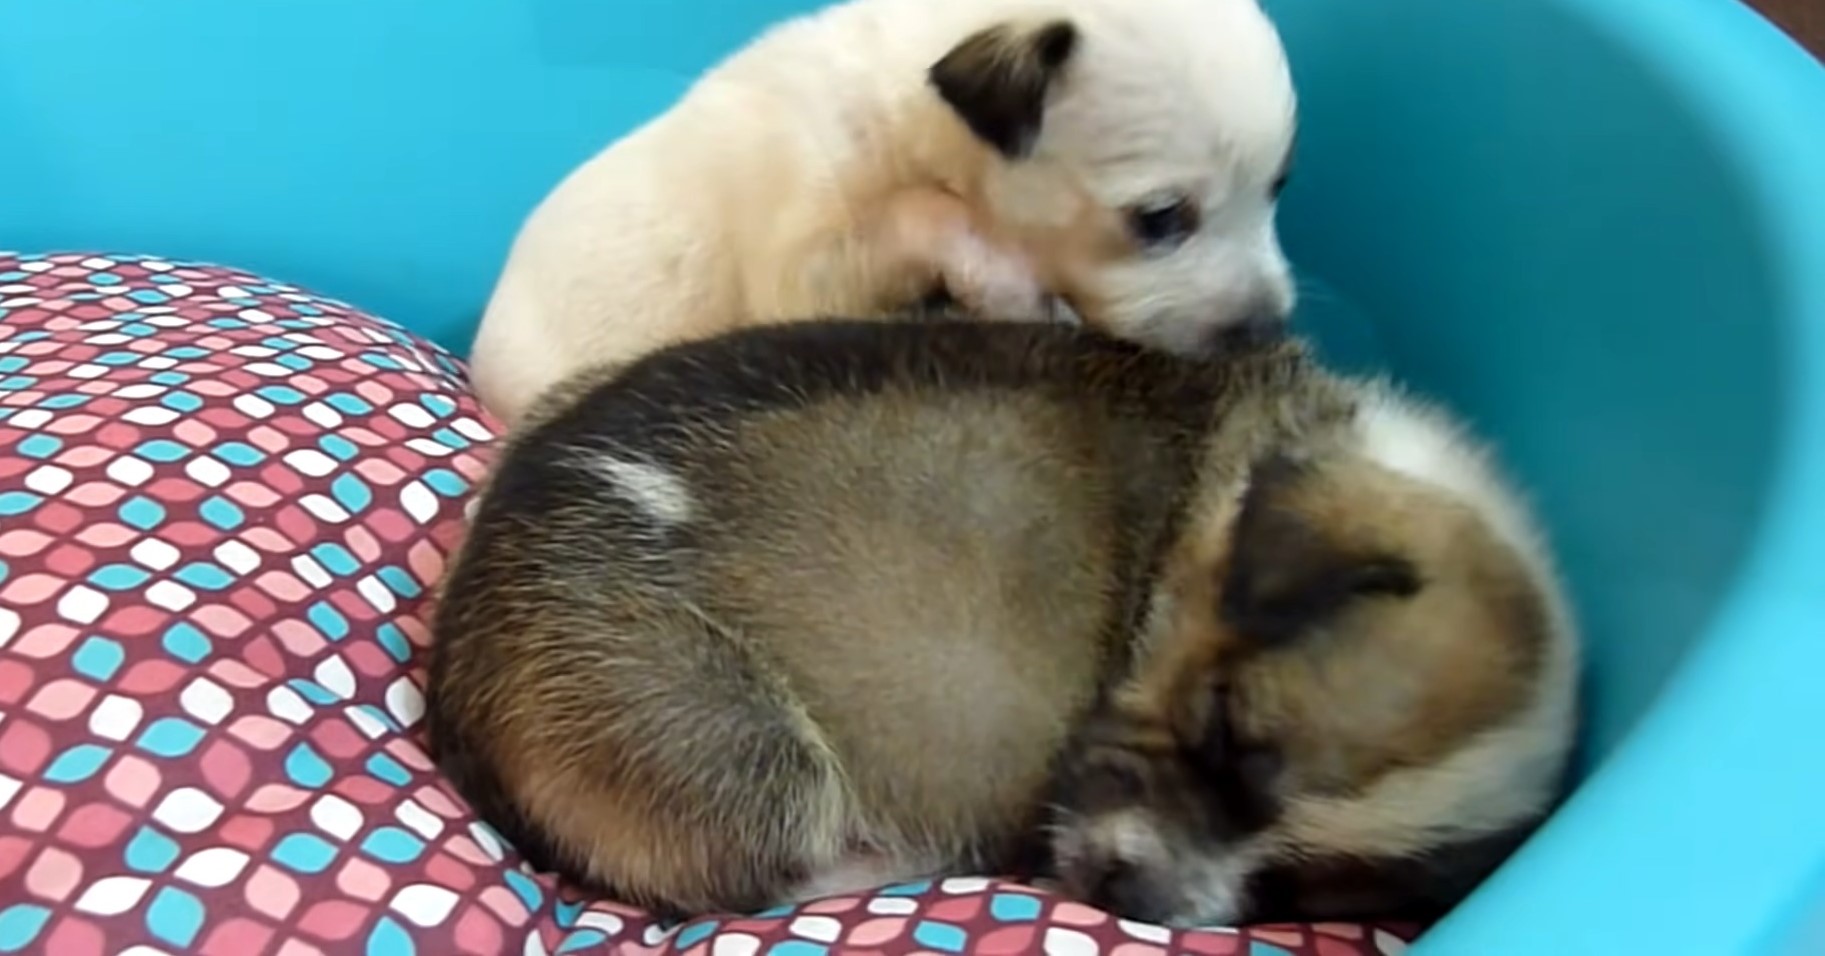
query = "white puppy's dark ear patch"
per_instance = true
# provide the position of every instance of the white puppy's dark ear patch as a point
(998, 79)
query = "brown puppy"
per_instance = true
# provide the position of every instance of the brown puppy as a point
(811, 607)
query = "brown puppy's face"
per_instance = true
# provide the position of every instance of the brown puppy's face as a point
(1334, 716)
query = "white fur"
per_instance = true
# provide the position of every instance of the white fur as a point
(1130, 836)
(817, 170)
(851, 876)
(1212, 887)
(1216, 887)
(659, 494)
(1422, 442)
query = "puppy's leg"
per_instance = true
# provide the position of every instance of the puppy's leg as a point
(884, 259)
(994, 283)
(932, 231)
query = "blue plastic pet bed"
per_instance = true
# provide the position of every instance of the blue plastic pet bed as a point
(1597, 227)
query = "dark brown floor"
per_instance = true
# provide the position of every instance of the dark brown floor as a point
(1804, 19)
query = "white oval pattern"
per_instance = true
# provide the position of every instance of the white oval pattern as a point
(418, 501)
(49, 479)
(170, 595)
(116, 717)
(377, 594)
(216, 866)
(1146, 932)
(336, 817)
(1069, 942)
(424, 904)
(205, 700)
(126, 469)
(156, 554)
(207, 471)
(366, 723)
(336, 677)
(485, 839)
(420, 820)
(112, 895)
(237, 557)
(405, 701)
(823, 929)
(323, 509)
(285, 704)
(310, 462)
(735, 944)
(607, 923)
(82, 604)
(187, 810)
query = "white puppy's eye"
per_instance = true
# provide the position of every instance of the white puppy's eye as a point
(1163, 222)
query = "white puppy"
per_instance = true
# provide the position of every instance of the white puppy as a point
(1120, 156)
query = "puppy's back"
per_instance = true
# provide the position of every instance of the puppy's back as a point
(702, 602)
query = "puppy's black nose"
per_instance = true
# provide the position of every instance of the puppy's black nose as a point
(1255, 329)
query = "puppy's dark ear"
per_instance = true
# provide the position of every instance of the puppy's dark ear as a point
(1287, 571)
(998, 79)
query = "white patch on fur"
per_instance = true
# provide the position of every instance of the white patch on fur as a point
(658, 493)
(1212, 888)
(1216, 888)
(1131, 837)
(852, 876)
(1421, 441)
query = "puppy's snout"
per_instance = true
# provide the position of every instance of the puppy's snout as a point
(1124, 887)
(1257, 327)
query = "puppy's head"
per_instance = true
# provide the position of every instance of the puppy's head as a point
(1354, 700)
(1138, 150)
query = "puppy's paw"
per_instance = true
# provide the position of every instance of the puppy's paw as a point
(932, 234)
(1007, 302)
(1063, 313)
(996, 285)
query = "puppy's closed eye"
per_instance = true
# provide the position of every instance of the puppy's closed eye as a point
(1241, 774)
(1112, 778)
(1165, 222)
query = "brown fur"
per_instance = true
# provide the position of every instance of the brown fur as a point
(1373, 626)
(881, 591)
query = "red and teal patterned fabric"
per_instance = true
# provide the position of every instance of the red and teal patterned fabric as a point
(223, 504)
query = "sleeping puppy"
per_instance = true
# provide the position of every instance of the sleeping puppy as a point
(1105, 160)
(812, 607)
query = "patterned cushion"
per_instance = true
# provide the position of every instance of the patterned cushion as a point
(222, 503)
